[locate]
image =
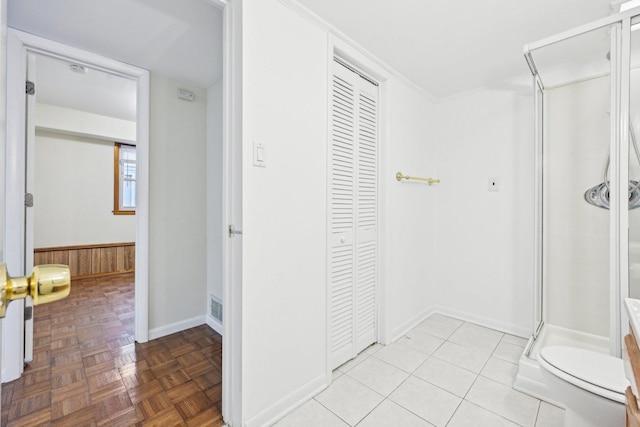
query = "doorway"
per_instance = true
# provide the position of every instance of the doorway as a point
(230, 184)
(23, 52)
(81, 173)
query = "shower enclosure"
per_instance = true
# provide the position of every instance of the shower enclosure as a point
(587, 114)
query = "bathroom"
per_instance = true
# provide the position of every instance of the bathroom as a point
(483, 259)
(471, 246)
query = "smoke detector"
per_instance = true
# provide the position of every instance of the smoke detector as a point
(77, 68)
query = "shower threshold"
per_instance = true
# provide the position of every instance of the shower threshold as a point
(529, 378)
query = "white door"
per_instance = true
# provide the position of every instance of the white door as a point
(353, 155)
(232, 220)
(18, 337)
(18, 227)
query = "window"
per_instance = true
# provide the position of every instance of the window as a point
(124, 174)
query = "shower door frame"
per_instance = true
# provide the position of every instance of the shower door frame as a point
(619, 170)
(538, 319)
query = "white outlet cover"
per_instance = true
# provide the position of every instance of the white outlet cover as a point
(185, 94)
(494, 183)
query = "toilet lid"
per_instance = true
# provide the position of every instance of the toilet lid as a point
(586, 369)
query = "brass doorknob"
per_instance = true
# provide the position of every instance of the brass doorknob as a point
(48, 283)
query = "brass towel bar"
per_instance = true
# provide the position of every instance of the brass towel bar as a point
(431, 181)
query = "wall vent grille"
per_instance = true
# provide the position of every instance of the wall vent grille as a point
(216, 308)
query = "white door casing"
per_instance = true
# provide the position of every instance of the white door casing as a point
(353, 195)
(3, 63)
(232, 345)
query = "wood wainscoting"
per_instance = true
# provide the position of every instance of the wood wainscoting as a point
(90, 260)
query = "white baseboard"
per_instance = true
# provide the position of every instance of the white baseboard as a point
(172, 328)
(467, 317)
(288, 403)
(401, 330)
(484, 321)
(214, 324)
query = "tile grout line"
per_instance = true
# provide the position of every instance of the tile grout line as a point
(477, 375)
(411, 374)
(464, 398)
(328, 409)
(535, 423)
(387, 397)
(431, 355)
(490, 379)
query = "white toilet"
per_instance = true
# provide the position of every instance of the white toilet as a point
(591, 385)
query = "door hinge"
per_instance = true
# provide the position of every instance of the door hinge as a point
(28, 200)
(233, 231)
(31, 88)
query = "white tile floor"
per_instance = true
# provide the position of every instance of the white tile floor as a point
(445, 372)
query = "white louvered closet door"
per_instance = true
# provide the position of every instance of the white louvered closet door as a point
(353, 214)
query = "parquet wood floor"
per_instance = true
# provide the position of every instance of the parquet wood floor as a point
(88, 371)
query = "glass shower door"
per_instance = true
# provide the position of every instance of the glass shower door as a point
(573, 94)
(634, 161)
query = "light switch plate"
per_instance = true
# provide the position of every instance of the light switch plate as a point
(259, 154)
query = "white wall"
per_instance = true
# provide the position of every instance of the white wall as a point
(408, 211)
(60, 119)
(453, 247)
(177, 199)
(284, 207)
(484, 239)
(76, 207)
(215, 228)
(73, 193)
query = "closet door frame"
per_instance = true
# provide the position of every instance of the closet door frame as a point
(369, 67)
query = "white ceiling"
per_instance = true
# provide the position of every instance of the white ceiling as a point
(177, 39)
(444, 47)
(95, 92)
(450, 47)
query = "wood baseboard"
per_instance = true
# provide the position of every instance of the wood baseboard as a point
(90, 260)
